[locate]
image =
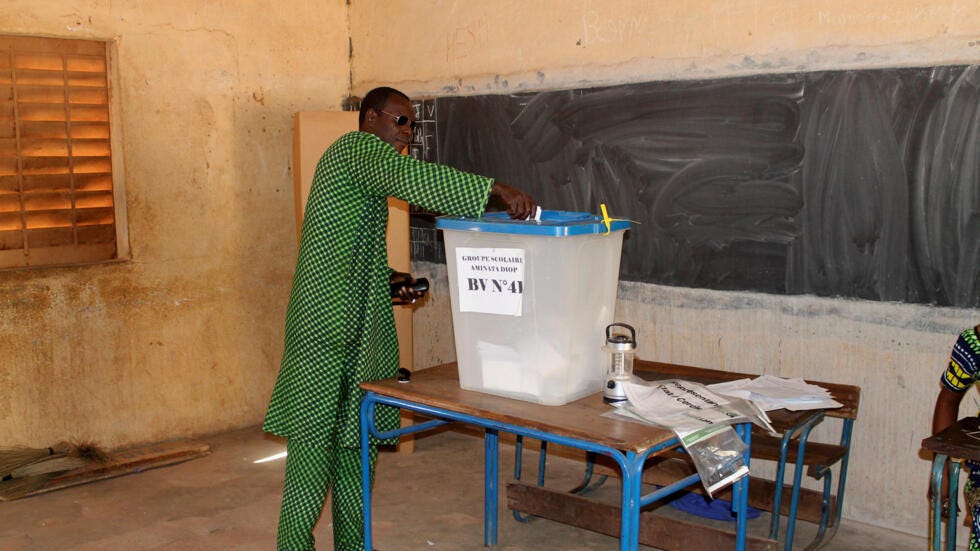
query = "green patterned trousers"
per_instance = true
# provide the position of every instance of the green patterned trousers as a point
(311, 473)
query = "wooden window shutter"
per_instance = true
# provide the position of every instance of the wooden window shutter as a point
(56, 167)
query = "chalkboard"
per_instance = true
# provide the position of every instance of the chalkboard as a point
(860, 184)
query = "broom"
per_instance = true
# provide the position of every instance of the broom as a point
(14, 458)
(28, 476)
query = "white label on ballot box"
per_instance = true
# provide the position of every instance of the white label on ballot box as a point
(491, 281)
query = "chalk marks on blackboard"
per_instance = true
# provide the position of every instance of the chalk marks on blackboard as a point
(424, 137)
(854, 225)
(425, 242)
(893, 203)
(702, 166)
(855, 183)
(945, 188)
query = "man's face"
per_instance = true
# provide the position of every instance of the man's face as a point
(383, 123)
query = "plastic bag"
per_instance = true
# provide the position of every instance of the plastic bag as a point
(718, 455)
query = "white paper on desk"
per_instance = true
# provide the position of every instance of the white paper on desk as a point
(687, 406)
(701, 420)
(770, 392)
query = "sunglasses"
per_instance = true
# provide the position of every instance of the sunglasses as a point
(400, 120)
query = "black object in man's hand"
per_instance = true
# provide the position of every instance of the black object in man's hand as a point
(405, 289)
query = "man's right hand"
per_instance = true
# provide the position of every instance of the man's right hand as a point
(520, 205)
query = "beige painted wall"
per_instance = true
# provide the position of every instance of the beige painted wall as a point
(457, 46)
(895, 352)
(186, 338)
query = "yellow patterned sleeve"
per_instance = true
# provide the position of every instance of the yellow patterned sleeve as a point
(964, 362)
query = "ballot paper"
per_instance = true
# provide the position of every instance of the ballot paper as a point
(770, 392)
(687, 406)
(503, 370)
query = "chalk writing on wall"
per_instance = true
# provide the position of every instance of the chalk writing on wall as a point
(599, 30)
(466, 39)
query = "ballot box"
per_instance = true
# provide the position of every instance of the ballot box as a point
(531, 300)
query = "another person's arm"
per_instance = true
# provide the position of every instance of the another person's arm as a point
(947, 409)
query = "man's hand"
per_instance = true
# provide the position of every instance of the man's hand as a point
(520, 205)
(404, 288)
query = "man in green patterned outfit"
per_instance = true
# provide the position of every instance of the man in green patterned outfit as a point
(340, 329)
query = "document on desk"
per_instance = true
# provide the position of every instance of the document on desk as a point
(687, 406)
(770, 392)
(702, 422)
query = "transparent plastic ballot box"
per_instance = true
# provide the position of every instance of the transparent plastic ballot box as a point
(531, 300)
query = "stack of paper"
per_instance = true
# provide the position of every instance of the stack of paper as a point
(685, 406)
(770, 392)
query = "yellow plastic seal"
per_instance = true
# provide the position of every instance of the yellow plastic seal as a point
(608, 221)
(605, 218)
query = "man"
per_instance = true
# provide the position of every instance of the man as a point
(339, 324)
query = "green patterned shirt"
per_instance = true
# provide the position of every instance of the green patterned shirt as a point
(340, 330)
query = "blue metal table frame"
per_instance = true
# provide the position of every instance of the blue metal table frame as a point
(952, 445)
(497, 414)
(936, 507)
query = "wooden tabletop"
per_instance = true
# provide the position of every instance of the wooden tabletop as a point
(961, 440)
(439, 387)
(582, 419)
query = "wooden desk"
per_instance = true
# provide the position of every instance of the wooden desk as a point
(791, 500)
(794, 447)
(436, 393)
(960, 441)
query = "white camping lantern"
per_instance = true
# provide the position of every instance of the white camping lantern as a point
(621, 348)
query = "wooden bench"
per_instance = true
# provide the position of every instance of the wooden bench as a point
(790, 499)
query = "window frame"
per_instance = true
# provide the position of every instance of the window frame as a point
(73, 254)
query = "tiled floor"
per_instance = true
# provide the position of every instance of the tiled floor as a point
(427, 500)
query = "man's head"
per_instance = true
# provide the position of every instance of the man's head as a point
(381, 111)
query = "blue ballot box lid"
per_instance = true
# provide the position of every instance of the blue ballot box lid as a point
(553, 223)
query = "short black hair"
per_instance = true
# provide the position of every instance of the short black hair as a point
(377, 99)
